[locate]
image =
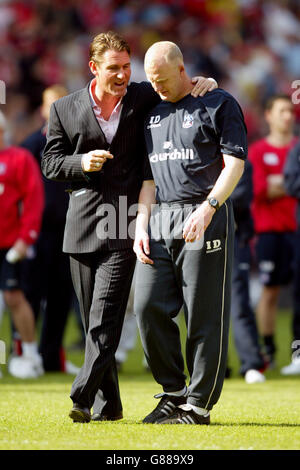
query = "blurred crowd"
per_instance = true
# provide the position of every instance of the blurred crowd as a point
(250, 46)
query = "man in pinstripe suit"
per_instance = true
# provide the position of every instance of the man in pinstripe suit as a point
(95, 141)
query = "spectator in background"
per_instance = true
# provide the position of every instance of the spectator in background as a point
(242, 315)
(21, 205)
(273, 213)
(47, 273)
(292, 185)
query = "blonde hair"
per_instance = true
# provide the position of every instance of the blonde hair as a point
(107, 41)
(57, 89)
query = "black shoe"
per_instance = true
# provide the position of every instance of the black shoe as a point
(106, 416)
(185, 416)
(80, 414)
(166, 407)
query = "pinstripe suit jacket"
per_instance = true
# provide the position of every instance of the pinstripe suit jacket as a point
(74, 130)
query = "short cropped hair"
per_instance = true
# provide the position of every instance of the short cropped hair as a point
(107, 41)
(279, 96)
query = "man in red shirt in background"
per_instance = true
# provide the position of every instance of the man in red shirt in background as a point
(273, 213)
(21, 206)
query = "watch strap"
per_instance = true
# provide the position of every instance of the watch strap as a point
(213, 202)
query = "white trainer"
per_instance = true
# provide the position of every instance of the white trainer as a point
(71, 368)
(37, 363)
(26, 367)
(293, 368)
(253, 376)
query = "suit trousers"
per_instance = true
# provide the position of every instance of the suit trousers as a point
(197, 277)
(102, 282)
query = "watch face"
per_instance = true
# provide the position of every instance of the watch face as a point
(213, 202)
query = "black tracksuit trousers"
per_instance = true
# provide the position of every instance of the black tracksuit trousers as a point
(196, 276)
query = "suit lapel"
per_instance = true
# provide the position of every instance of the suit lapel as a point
(127, 110)
(90, 120)
(88, 116)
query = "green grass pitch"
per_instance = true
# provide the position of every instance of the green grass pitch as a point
(34, 413)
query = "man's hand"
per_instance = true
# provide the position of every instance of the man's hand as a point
(275, 186)
(203, 85)
(94, 160)
(21, 247)
(141, 247)
(17, 252)
(198, 222)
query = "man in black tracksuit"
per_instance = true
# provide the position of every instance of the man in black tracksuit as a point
(187, 140)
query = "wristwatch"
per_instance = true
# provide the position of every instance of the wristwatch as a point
(214, 203)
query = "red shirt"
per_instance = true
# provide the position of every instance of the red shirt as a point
(270, 215)
(21, 197)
